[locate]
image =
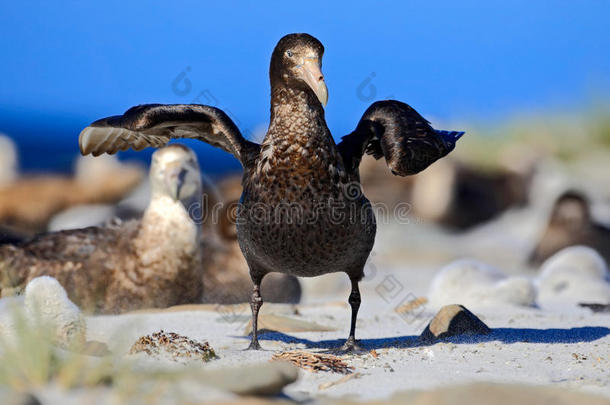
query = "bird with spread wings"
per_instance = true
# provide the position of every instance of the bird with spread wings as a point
(329, 226)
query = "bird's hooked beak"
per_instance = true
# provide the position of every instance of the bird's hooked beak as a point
(312, 75)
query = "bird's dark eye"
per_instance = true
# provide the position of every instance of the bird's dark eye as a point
(289, 54)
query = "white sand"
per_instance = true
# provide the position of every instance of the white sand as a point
(570, 349)
(557, 345)
(560, 346)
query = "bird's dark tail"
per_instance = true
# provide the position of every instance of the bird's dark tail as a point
(450, 137)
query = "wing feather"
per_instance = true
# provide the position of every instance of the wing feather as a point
(154, 125)
(396, 131)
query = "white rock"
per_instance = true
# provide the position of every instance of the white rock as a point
(105, 172)
(581, 261)
(139, 198)
(474, 284)
(81, 216)
(91, 170)
(8, 161)
(46, 301)
(516, 291)
(572, 275)
(8, 322)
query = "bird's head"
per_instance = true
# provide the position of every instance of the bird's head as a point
(571, 211)
(174, 172)
(297, 62)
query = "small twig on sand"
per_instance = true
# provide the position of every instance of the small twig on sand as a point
(339, 381)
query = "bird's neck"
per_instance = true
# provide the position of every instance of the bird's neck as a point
(296, 113)
(167, 240)
(298, 146)
(166, 216)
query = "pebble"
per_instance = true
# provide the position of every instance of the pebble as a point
(453, 320)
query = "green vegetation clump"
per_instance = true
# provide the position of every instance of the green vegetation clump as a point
(32, 360)
(566, 137)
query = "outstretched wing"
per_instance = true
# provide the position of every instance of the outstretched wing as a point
(156, 124)
(397, 132)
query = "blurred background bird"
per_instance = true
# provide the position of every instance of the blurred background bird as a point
(147, 263)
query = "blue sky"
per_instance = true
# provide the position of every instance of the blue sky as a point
(67, 63)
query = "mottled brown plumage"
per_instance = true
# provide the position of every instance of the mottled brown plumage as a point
(302, 211)
(226, 276)
(154, 262)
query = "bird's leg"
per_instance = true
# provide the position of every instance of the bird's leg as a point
(256, 301)
(354, 301)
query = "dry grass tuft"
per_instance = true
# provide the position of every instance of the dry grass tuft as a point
(314, 361)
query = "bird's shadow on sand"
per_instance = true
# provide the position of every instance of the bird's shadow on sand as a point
(503, 335)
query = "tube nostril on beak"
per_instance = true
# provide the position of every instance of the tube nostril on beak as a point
(320, 78)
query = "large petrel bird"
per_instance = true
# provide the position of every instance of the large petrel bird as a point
(302, 211)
